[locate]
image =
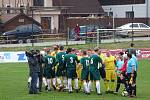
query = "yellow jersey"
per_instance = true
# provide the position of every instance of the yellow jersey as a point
(110, 63)
(102, 56)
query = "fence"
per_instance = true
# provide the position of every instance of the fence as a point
(92, 39)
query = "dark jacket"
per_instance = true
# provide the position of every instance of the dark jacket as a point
(33, 65)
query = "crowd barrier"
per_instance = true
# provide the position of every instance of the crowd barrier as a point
(13, 57)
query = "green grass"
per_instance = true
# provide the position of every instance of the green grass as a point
(122, 45)
(13, 85)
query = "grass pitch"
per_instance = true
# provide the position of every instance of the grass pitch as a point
(13, 85)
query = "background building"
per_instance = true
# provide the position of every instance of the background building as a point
(52, 14)
(139, 9)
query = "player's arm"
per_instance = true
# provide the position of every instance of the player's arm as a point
(133, 66)
(55, 61)
(76, 58)
(81, 63)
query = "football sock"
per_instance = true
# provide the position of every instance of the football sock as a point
(29, 80)
(112, 85)
(65, 81)
(48, 83)
(80, 83)
(85, 86)
(98, 86)
(118, 86)
(59, 81)
(89, 86)
(106, 85)
(54, 81)
(70, 85)
(44, 81)
(37, 83)
(76, 83)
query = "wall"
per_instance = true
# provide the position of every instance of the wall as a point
(13, 4)
(104, 22)
(48, 3)
(13, 24)
(120, 10)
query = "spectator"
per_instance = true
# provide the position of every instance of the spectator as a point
(77, 32)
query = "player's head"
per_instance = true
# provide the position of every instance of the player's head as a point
(89, 51)
(73, 50)
(108, 53)
(125, 57)
(69, 50)
(56, 48)
(132, 44)
(61, 48)
(96, 50)
(121, 55)
(84, 53)
(99, 51)
(129, 56)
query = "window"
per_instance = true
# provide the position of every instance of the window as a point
(21, 8)
(106, 13)
(38, 2)
(120, 2)
(111, 14)
(8, 11)
(129, 14)
(134, 26)
(21, 20)
(143, 26)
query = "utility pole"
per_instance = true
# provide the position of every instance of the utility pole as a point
(32, 28)
(132, 24)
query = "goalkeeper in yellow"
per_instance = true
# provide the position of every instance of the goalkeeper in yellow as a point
(110, 68)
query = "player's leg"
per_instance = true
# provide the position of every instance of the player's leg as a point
(48, 79)
(98, 87)
(113, 79)
(134, 85)
(96, 77)
(70, 76)
(48, 84)
(29, 81)
(44, 81)
(128, 84)
(59, 77)
(106, 81)
(76, 80)
(53, 79)
(69, 85)
(118, 84)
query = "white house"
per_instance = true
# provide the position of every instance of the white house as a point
(127, 8)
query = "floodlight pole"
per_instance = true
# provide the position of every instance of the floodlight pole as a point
(98, 38)
(132, 25)
(32, 28)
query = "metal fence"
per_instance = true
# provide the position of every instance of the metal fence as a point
(92, 39)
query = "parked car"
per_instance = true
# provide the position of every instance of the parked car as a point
(22, 33)
(138, 29)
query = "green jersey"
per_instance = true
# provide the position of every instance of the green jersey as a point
(50, 61)
(60, 58)
(95, 61)
(70, 60)
(85, 61)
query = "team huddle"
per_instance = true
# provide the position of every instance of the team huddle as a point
(74, 70)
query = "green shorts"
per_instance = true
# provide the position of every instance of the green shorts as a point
(84, 74)
(71, 73)
(94, 75)
(60, 71)
(49, 73)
